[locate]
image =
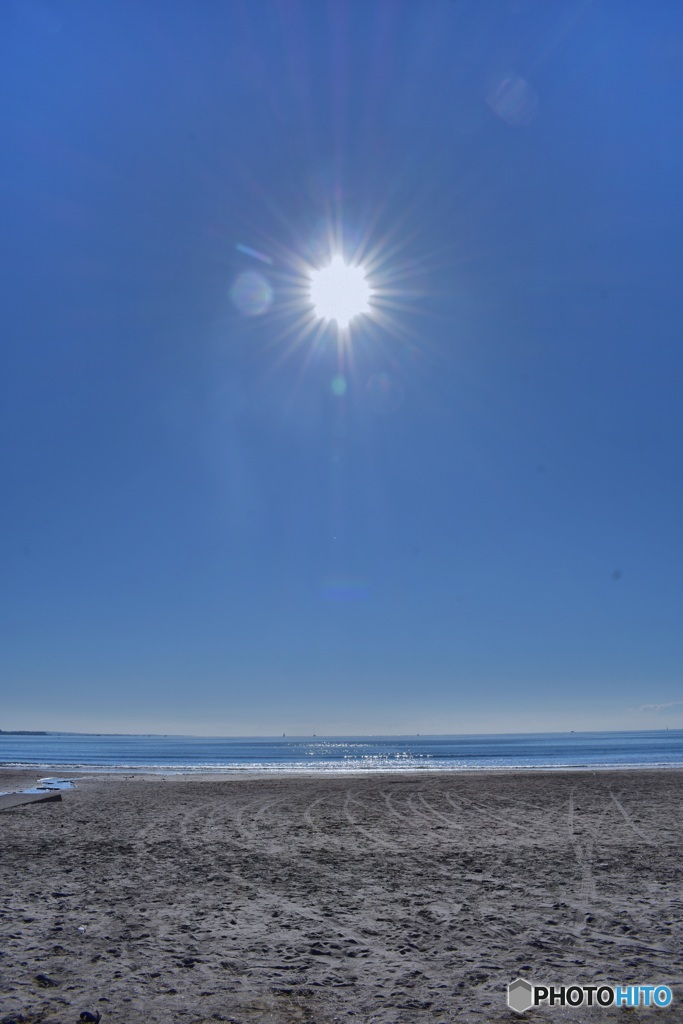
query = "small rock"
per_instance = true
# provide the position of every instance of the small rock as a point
(46, 982)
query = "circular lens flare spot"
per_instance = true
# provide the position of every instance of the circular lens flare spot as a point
(513, 100)
(251, 293)
(385, 392)
(340, 292)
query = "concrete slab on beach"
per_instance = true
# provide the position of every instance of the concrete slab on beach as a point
(9, 800)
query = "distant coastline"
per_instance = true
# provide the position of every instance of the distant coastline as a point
(22, 732)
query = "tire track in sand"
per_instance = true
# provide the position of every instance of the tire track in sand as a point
(446, 819)
(308, 814)
(629, 821)
(373, 839)
(584, 858)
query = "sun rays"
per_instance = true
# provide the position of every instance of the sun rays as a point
(349, 291)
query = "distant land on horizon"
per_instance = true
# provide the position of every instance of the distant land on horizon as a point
(22, 732)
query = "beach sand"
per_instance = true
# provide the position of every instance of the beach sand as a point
(382, 898)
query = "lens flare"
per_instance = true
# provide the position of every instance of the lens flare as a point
(251, 293)
(513, 99)
(385, 392)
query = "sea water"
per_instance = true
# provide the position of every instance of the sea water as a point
(65, 752)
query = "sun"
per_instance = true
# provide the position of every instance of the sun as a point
(339, 292)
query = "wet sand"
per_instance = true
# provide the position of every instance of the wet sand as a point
(383, 898)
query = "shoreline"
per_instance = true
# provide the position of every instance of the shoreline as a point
(70, 771)
(20, 779)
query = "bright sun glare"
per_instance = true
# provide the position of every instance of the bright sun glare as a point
(340, 292)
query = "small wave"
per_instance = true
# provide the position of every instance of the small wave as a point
(363, 765)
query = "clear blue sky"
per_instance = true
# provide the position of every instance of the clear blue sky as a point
(483, 532)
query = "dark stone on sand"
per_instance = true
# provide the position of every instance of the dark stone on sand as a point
(46, 982)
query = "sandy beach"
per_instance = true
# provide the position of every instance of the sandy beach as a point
(382, 898)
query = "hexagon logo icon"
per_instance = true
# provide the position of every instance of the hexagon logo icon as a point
(520, 995)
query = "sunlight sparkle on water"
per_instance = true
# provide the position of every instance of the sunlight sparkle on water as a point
(339, 292)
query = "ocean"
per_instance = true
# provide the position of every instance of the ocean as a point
(339, 754)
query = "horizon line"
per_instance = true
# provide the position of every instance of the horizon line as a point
(331, 736)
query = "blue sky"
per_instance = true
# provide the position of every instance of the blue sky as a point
(483, 531)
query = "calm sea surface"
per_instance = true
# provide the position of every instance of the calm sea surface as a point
(191, 754)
